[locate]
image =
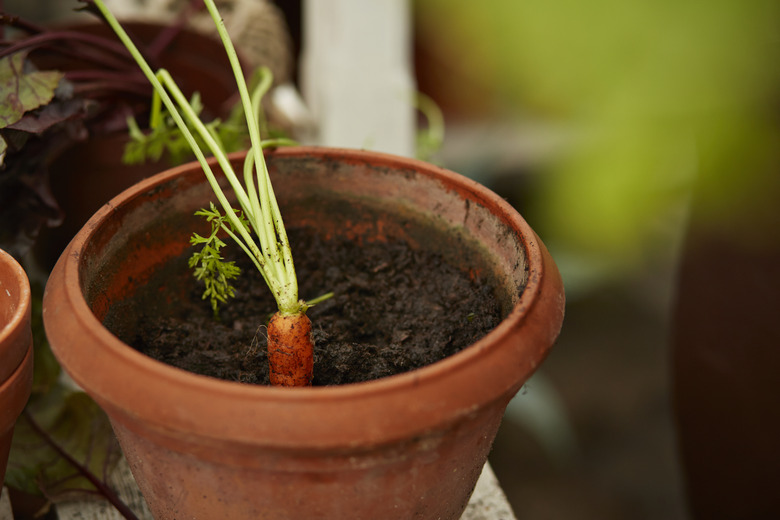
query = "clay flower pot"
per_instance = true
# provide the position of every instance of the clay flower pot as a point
(405, 446)
(16, 350)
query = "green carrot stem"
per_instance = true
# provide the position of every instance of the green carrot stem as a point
(273, 256)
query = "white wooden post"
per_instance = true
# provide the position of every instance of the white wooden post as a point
(356, 74)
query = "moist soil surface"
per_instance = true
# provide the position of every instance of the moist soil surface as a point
(394, 309)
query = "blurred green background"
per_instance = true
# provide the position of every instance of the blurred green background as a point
(601, 120)
(651, 94)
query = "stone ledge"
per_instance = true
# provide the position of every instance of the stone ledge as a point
(487, 503)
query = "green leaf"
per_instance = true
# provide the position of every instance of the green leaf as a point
(208, 263)
(23, 91)
(164, 139)
(68, 420)
(167, 139)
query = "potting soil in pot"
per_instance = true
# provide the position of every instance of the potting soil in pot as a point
(395, 309)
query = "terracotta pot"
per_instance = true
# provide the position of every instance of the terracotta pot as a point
(406, 446)
(16, 350)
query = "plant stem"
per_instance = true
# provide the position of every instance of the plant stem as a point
(267, 203)
(114, 55)
(99, 484)
(258, 203)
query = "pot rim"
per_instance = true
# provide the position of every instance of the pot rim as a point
(14, 334)
(263, 404)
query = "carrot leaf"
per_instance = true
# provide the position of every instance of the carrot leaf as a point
(210, 267)
(265, 238)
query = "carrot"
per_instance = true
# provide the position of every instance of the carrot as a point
(290, 350)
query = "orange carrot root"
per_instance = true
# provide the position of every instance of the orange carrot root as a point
(290, 350)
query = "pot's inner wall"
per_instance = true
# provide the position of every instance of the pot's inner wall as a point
(431, 209)
(364, 202)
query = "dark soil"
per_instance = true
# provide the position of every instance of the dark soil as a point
(395, 309)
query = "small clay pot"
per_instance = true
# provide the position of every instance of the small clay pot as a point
(16, 350)
(405, 446)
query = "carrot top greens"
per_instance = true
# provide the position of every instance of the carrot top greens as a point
(257, 225)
